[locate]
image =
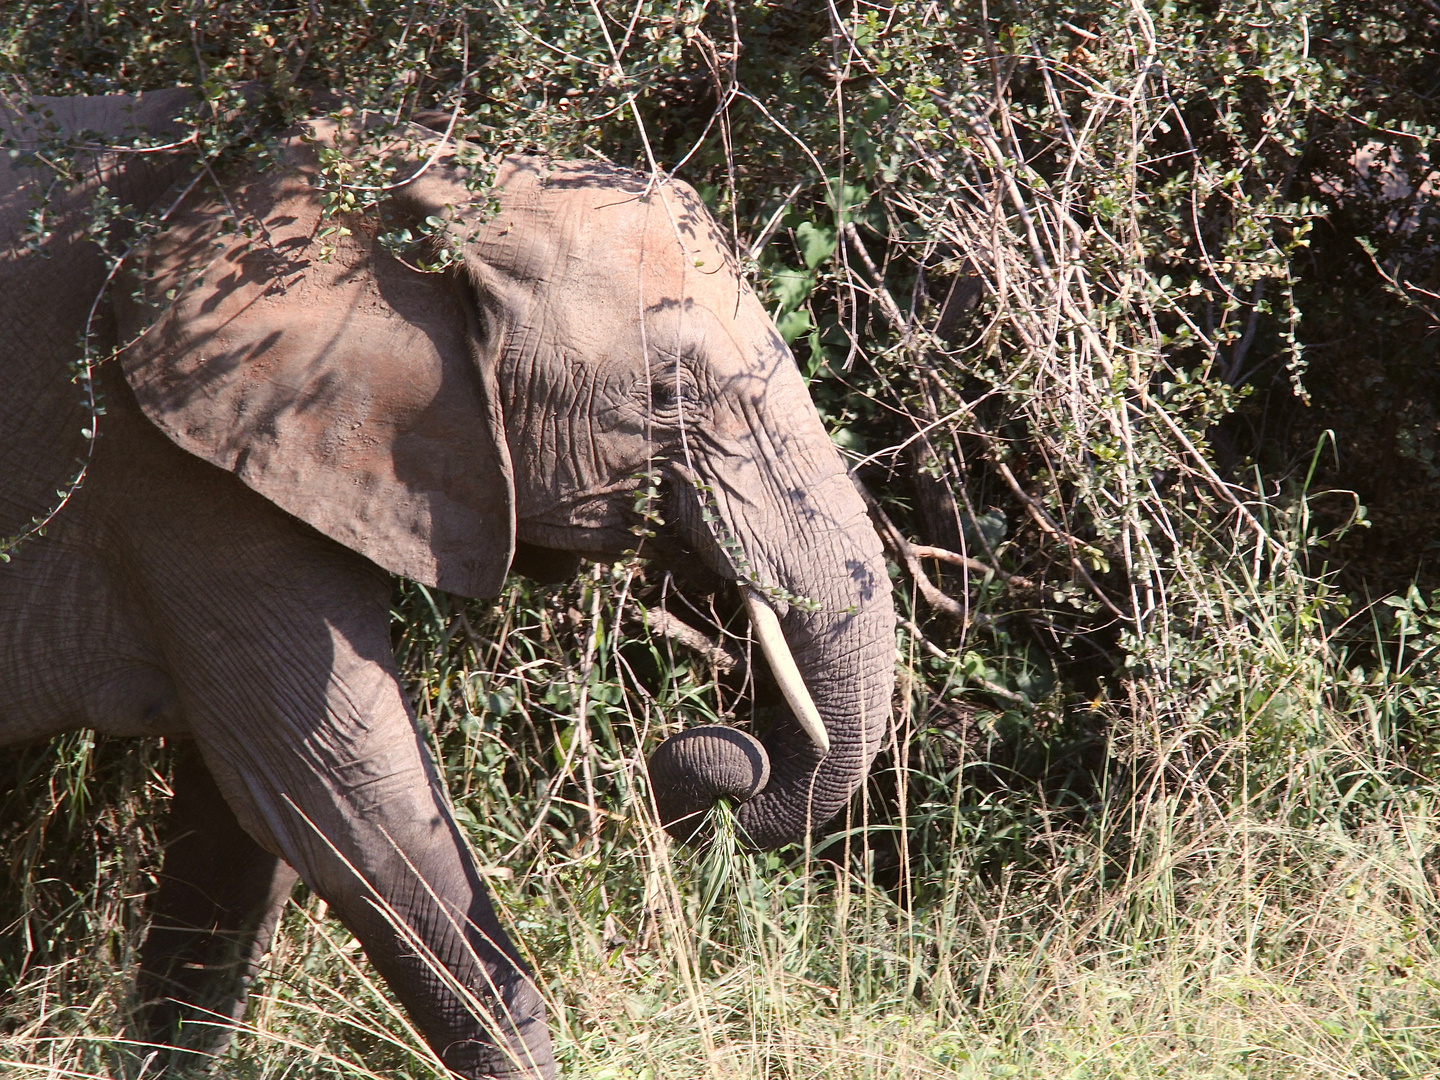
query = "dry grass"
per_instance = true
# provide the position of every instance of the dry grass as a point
(1178, 931)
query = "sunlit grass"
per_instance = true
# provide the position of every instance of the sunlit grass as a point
(1280, 929)
(1330, 972)
(1243, 884)
(1249, 889)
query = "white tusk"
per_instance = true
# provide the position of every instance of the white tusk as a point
(782, 666)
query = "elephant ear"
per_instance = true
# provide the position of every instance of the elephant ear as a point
(349, 388)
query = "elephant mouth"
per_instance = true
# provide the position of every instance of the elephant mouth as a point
(611, 523)
(620, 518)
(596, 524)
(664, 545)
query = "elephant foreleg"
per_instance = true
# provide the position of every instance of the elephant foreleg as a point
(297, 708)
(211, 920)
(355, 805)
(277, 643)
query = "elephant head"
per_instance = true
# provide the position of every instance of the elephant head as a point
(549, 351)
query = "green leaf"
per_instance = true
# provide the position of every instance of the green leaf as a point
(791, 288)
(816, 361)
(793, 324)
(817, 243)
(852, 197)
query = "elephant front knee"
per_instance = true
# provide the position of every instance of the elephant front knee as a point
(522, 1049)
(472, 997)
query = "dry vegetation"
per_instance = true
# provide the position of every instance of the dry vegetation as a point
(1132, 340)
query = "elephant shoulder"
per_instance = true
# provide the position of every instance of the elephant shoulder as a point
(50, 277)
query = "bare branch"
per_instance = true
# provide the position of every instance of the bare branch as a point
(722, 656)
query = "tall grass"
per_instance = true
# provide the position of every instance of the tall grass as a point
(1244, 886)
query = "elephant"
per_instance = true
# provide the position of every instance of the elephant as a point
(295, 405)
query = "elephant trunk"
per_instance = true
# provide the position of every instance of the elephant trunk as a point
(823, 580)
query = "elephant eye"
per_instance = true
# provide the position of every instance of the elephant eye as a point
(668, 392)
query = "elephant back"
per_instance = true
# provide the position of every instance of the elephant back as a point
(51, 274)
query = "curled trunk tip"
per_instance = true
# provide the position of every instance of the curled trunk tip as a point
(692, 769)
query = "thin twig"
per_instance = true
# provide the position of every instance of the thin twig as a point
(903, 551)
(887, 302)
(929, 551)
(940, 654)
(1047, 525)
(722, 656)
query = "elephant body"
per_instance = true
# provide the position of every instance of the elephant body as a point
(298, 410)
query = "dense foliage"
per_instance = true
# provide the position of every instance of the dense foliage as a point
(1125, 314)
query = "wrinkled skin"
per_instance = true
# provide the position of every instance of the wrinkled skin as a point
(289, 421)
